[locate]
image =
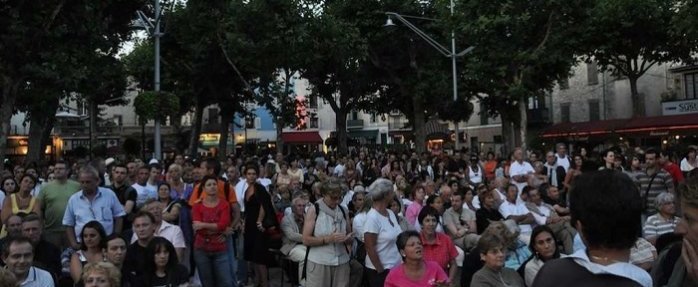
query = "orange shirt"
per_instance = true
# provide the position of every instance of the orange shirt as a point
(231, 197)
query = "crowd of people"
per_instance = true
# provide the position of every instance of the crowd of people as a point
(368, 218)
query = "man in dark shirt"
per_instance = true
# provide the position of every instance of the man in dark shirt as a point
(46, 255)
(608, 229)
(144, 227)
(488, 212)
(126, 194)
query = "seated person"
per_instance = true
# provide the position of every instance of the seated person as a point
(664, 221)
(492, 250)
(515, 210)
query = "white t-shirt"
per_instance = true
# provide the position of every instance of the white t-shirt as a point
(563, 161)
(507, 209)
(522, 168)
(387, 236)
(358, 225)
(686, 166)
(144, 193)
(37, 278)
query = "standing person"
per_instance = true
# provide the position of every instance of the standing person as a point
(554, 172)
(574, 170)
(653, 181)
(21, 201)
(172, 206)
(609, 160)
(143, 191)
(563, 159)
(418, 195)
(474, 171)
(53, 200)
(520, 170)
(415, 270)
(609, 231)
(18, 255)
(92, 203)
(380, 232)
(126, 194)
(161, 267)
(665, 161)
(689, 162)
(493, 273)
(9, 186)
(258, 210)
(326, 232)
(490, 166)
(174, 179)
(211, 217)
(144, 229)
(171, 232)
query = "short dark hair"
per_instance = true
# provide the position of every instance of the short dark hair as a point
(608, 205)
(427, 211)
(144, 213)
(154, 165)
(119, 164)
(212, 163)
(651, 151)
(401, 241)
(14, 240)
(31, 217)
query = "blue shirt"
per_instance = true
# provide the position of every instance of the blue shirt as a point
(105, 208)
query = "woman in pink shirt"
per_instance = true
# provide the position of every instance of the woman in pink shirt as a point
(413, 209)
(414, 271)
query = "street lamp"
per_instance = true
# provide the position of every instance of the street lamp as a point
(449, 53)
(153, 29)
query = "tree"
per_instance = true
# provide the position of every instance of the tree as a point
(522, 49)
(628, 37)
(34, 53)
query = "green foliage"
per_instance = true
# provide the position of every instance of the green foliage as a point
(150, 105)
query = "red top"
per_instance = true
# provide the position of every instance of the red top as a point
(675, 171)
(442, 251)
(209, 240)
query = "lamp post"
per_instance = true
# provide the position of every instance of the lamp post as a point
(153, 29)
(449, 53)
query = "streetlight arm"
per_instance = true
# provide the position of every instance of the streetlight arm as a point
(443, 50)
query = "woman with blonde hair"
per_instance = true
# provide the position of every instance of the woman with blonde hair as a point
(101, 274)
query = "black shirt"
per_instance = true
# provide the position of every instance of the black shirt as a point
(48, 257)
(565, 272)
(134, 263)
(483, 216)
(180, 277)
(125, 193)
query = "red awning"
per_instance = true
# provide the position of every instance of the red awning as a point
(661, 123)
(583, 128)
(650, 125)
(301, 137)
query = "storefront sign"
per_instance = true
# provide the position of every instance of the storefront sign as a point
(680, 107)
(657, 134)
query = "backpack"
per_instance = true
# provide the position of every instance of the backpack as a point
(226, 190)
(307, 250)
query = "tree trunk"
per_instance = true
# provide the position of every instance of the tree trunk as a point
(93, 127)
(341, 123)
(279, 132)
(523, 122)
(196, 129)
(224, 131)
(418, 124)
(9, 97)
(40, 131)
(638, 100)
(507, 140)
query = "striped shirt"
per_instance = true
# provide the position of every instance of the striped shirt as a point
(661, 183)
(657, 225)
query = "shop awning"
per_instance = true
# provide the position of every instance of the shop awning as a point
(661, 124)
(583, 128)
(652, 126)
(365, 134)
(301, 137)
(436, 130)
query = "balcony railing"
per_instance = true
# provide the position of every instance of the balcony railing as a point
(538, 116)
(355, 124)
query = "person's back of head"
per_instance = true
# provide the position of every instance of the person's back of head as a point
(7, 279)
(606, 208)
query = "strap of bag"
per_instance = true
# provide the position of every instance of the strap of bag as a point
(307, 250)
(647, 191)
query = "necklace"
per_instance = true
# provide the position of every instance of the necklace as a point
(605, 260)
